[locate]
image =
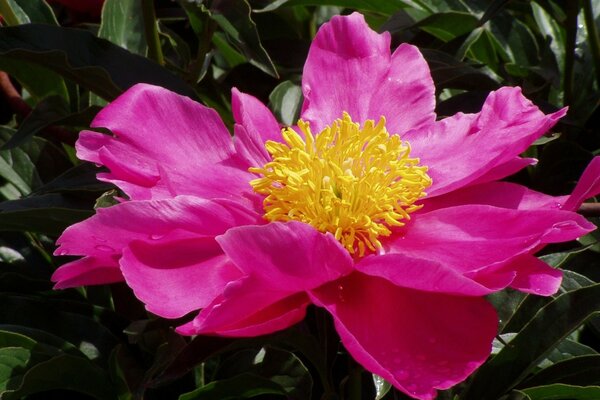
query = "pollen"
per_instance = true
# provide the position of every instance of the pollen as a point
(358, 183)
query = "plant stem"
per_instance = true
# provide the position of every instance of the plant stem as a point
(593, 36)
(151, 32)
(8, 14)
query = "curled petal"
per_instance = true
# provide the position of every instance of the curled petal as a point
(535, 276)
(174, 276)
(497, 194)
(463, 149)
(587, 186)
(88, 271)
(164, 144)
(420, 274)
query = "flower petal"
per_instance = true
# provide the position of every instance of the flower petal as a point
(175, 276)
(497, 194)
(349, 68)
(535, 276)
(110, 230)
(418, 341)
(246, 311)
(254, 125)
(420, 274)
(463, 148)
(290, 255)
(469, 237)
(281, 260)
(87, 271)
(164, 144)
(587, 186)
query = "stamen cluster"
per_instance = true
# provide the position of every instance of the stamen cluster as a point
(357, 183)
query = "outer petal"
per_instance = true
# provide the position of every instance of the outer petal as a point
(469, 237)
(88, 271)
(417, 341)
(497, 194)
(425, 275)
(535, 276)
(349, 68)
(281, 260)
(254, 125)
(462, 149)
(175, 276)
(588, 186)
(165, 144)
(503, 170)
(106, 234)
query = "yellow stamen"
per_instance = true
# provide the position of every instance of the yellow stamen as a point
(357, 183)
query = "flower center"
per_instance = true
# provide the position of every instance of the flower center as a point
(357, 183)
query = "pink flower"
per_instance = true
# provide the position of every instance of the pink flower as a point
(398, 235)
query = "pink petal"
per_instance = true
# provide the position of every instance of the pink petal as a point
(507, 169)
(462, 149)
(107, 233)
(164, 144)
(421, 274)
(535, 276)
(417, 341)
(254, 125)
(249, 313)
(281, 260)
(87, 271)
(291, 255)
(497, 194)
(469, 237)
(175, 276)
(587, 187)
(349, 68)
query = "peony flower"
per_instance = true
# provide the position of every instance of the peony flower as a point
(393, 222)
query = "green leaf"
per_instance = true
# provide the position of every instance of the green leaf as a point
(81, 177)
(449, 25)
(285, 101)
(549, 27)
(47, 112)
(583, 371)
(382, 387)
(234, 17)
(63, 372)
(39, 81)
(549, 327)
(565, 350)
(81, 325)
(563, 392)
(49, 213)
(447, 72)
(122, 24)
(244, 386)
(16, 11)
(38, 11)
(387, 7)
(17, 166)
(97, 64)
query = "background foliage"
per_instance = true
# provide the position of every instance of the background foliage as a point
(99, 342)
